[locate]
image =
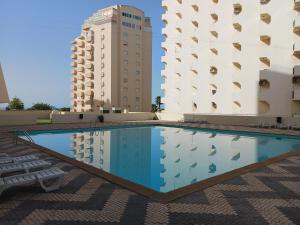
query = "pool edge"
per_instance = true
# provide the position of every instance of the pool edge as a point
(154, 195)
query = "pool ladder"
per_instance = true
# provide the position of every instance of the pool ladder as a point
(26, 134)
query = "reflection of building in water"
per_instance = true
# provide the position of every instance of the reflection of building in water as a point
(191, 156)
(89, 148)
(168, 158)
(122, 152)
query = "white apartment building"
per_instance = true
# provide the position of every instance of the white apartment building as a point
(113, 61)
(232, 57)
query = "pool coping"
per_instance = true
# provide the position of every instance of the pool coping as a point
(172, 195)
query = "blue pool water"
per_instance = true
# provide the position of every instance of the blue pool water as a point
(165, 158)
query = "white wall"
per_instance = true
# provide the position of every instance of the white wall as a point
(62, 117)
(22, 117)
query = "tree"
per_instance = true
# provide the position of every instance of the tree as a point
(65, 109)
(41, 106)
(158, 102)
(15, 104)
(154, 108)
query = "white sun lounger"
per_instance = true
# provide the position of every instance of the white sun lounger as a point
(3, 155)
(23, 166)
(53, 175)
(24, 158)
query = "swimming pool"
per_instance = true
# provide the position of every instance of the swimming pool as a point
(165, 158)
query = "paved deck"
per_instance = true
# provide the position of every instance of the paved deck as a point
(270, 195)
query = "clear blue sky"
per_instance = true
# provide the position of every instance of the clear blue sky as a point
(35, 37)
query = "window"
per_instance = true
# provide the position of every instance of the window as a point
(125, 52)
(125, 34)
(125, 24)
(137, 99)
(137, 72)
(125, 80)
(125, 61)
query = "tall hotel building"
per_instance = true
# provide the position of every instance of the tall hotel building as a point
(113, 61)
(232, 57)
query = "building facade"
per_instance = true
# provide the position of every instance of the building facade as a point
(113, 61)
(3, 90)
(231, 57)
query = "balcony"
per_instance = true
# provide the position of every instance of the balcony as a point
(214, 17)
(266, 39)
(90, 66)
(73, 95)
(237, 65)
(81, 69)
(297, 5)
(80, 77)
(90, 75)
(90, 84)
(86, 27)
(80, 43)
(237, 27)
(89, 48)
(80, 87)
(74, 48)
(74, 72)
(82, 95)
(73, 79)
(237, 8)
(265, 17)
(214, 34)
(237, 45)
(264, 2)
(80, 61)
(213, 70)
(74, 56)
(73, 88)
(73, 64)
(265, 60)
(80, 52)
(90, 57)
(214, 51)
